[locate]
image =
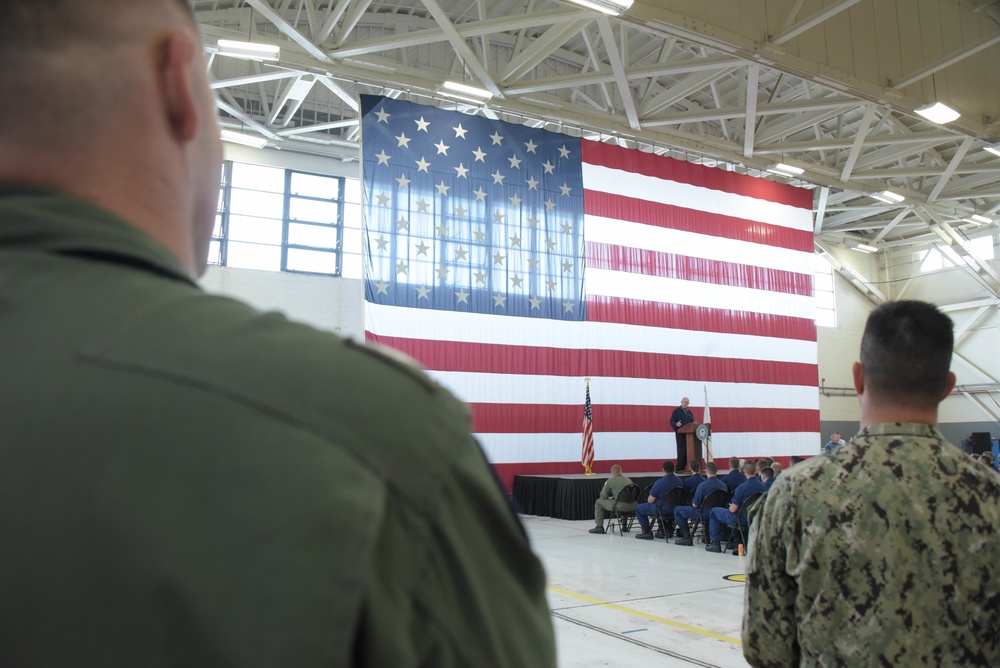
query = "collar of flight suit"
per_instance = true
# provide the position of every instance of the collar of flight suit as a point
(35, 219)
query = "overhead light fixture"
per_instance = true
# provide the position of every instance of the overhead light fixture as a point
(785, 170)
(249, 50)
(464, 92)
(865, 248)
(994, 149)
(938, 113)
(888, 197)
(613, 7)
(247, 140)
(978, 219)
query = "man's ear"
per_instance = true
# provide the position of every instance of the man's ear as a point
(951, 384)
(858, 371)
(178, 84)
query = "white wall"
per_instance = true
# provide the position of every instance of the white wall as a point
(976, 361)
(332, 304)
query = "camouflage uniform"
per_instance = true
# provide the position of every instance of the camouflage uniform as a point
(606, 502)
(882, 552)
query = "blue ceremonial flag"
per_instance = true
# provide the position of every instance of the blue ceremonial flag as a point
(467, 214)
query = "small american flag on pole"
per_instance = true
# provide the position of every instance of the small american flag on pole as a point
(588, 435)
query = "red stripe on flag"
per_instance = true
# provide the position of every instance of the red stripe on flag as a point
(671, 265)
(667, 216)
(563, 418)
(698, 318)
(649, 164)
(508, 359)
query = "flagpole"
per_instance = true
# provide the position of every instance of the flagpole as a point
(587, 455)
(707, 421)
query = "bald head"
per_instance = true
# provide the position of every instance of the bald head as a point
(108, 101)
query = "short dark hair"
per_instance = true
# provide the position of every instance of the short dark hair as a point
(767, 472)
(906, 352)
(734, 462)
(750, 467)
(712, 468)
(668, 467)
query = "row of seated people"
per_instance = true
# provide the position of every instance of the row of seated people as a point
(674, 502)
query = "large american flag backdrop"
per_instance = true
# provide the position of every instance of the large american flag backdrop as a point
(512, 262)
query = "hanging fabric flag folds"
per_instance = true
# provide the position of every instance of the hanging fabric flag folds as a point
(510, 261)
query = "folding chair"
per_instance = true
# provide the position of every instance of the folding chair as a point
(716, 499)
(671, 500)
(737, 527)
(623, 513)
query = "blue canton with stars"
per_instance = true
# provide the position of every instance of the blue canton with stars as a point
(463, 213)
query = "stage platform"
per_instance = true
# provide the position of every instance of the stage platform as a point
(569, 496)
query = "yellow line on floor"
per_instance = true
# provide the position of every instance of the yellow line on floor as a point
(645, 615)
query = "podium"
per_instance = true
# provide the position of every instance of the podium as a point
(693, 444)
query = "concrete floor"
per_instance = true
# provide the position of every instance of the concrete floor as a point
(618, 601)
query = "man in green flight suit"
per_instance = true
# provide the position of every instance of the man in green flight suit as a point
(186, 481)
(882, 551)
(605, 502)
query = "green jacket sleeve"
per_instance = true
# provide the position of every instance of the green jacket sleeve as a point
(467, 592)
(769, 628)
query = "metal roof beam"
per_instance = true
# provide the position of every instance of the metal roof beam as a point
(466, 30)
(540, 49)
(461, 48)
(683, 88)
(947, 61)
(956, 160)
(794, 124)
(813, 21)
(615, 60)
(286, 29)
(750, 121)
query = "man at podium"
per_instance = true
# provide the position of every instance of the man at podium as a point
(680, 417)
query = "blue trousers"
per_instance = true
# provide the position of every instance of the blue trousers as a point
(646, 510)
(721, 518)
(683, 514)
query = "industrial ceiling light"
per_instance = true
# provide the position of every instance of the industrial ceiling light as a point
(865, 248)
(612, 7)
(938, 113)
(464, 92)
(994, 149)
(888, 197)
(246, 140)
(249, 50)
(785, 170)
(978, 219)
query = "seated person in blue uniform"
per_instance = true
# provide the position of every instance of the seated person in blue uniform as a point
(835, 442)
(692, 481)
(735, 477)
(690, 487)
(767, 476)
(720, 518)
(660, 488)
(682, 514)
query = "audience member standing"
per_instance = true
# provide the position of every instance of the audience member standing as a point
(186, 481)
(884, 552)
